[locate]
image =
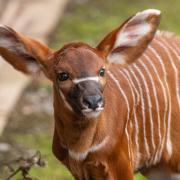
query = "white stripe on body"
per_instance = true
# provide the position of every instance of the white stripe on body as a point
(138, 156)
(165, 99)
(177, 46)
(175, 69)
(157, 105)
(168, 143)
(79, 80)
(177, 87)
(136, 135)
(143, 112)
(149, 105)
(128, 110)
(176, 49)
(173, 49)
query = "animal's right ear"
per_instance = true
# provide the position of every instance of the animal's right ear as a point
(24, 54)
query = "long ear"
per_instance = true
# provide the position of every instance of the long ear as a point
(24, 54)
(129, 41)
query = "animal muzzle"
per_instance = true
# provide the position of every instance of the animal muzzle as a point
(93, 102)
(87, 98)
(92, 106)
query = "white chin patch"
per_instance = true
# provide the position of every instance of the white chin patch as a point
(90, 114)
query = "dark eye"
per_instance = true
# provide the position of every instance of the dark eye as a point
(63, 76)
(102, 72)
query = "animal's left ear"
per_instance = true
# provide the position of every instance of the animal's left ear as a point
(129, 41)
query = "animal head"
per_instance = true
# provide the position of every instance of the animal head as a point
(78, 71)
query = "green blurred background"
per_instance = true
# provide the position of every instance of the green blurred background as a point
(88, 21)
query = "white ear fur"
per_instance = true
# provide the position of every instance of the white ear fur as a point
(118, 58)
(9, 41)
(132, 33)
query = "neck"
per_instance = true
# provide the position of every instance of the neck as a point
(72, 130)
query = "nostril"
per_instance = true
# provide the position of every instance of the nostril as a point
(92, 102)
(86, 102)
(99, 99)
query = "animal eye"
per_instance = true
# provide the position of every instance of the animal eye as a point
(102, 72)
(63, 76)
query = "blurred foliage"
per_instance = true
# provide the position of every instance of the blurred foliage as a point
(90, 20)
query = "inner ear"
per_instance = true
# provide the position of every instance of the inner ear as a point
(21, 61)
(23, 53)
(129, 41)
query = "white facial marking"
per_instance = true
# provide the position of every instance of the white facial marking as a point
(89, 113)
(93, 78)
(80, 156)
(64, 100)
(92, 114)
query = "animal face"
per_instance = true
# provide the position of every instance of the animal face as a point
(80, 76)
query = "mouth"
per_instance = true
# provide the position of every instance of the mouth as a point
(91, 113)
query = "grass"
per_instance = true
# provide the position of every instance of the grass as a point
(89, 21)
(54, 169)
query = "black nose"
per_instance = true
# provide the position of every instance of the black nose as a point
(92, 101)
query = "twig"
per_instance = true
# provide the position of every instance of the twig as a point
(25, 165)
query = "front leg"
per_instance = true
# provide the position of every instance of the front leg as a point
(103, 171)
(96, 171)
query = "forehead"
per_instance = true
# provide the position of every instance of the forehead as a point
(79, 59)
